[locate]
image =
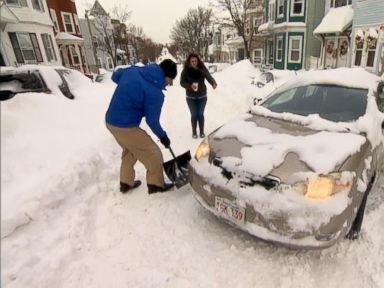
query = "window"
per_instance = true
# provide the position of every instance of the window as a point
(13, 2)
(52, 12)
(77, 24)
(280, 8)
(246, 27)
(295, 49)
(371, 51)
(257, 56)
(359, 52)
(270, 52)
(38, 5)
(297, 7)
(110, 63)
(279, 49)
(271, 11)
(26, 47)
(75, 56)
(340, 3)
(256, 23)
(49, 48)
(68, 22)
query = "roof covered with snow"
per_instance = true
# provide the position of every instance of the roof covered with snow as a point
(336, 21)
(63, 36)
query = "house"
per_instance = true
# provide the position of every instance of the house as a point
(67, 33)
(228, 46)
(367, 38)
(334, 31)
(289, 42)
(27, 34)
(97, 32)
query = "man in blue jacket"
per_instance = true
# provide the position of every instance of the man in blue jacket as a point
(139, 95)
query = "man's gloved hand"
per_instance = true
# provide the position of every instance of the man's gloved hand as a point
(165, 141)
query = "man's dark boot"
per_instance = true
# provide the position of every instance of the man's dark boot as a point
(155, 189)
(124, 187)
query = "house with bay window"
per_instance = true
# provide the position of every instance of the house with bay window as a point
(67, 33)
(287, 33)
(27, 34)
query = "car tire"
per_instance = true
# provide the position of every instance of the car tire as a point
(354, 232)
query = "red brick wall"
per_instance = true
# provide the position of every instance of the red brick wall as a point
(63, 6)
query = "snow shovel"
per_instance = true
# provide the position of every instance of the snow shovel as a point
(177, 168)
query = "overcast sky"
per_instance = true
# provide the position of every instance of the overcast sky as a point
(157, 17)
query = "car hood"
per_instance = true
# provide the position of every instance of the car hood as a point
(262, 146)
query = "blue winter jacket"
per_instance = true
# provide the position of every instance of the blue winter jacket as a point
(138, 94)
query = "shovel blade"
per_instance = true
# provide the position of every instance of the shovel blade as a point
(177, 169)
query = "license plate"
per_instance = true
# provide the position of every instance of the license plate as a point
(229, 209)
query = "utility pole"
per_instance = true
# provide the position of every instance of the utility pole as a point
(93, 46)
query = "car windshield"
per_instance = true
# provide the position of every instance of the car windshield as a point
(334, 103)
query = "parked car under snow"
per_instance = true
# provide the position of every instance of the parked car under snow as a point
(39, 79)
(297, 170)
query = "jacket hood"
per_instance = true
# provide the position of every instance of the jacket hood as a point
(154, 74)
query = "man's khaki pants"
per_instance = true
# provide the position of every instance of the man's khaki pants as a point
(138, 145)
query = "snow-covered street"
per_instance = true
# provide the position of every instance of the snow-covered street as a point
(65, 223)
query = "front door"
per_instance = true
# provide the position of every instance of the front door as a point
(342, 52)
(330, 53)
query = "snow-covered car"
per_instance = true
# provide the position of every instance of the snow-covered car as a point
(267, 81)
(39, 78)
(298, 168)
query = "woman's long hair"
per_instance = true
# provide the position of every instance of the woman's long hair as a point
(187, 62)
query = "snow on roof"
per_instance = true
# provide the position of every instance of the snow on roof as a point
(67, 36)
(372, 32)
(336, 21)
(119, 51)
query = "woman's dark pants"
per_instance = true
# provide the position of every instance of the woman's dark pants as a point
(197, 107)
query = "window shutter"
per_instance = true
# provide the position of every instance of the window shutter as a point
(23, 3)
(53, 47)
(36, 47)
(16, 47)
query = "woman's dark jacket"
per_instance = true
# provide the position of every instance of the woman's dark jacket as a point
(190, 75)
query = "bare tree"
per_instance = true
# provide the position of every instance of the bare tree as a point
(191, 33)
(105, 42)
(135, 33)
(121, 14)
(238, 11)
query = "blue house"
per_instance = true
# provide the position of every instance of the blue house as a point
(289, 42)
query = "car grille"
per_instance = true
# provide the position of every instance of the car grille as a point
(247, 179)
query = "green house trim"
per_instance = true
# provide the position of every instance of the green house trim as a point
(296, 66)
(281, 63)
(284, 18)
(298, 18)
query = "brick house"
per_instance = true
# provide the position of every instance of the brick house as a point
(68, 35)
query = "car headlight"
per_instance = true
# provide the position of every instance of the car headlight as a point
(202, 150)
(325, 186)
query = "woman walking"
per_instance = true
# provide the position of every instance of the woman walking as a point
(193, 80)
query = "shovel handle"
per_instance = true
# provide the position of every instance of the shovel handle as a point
(173, 154)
